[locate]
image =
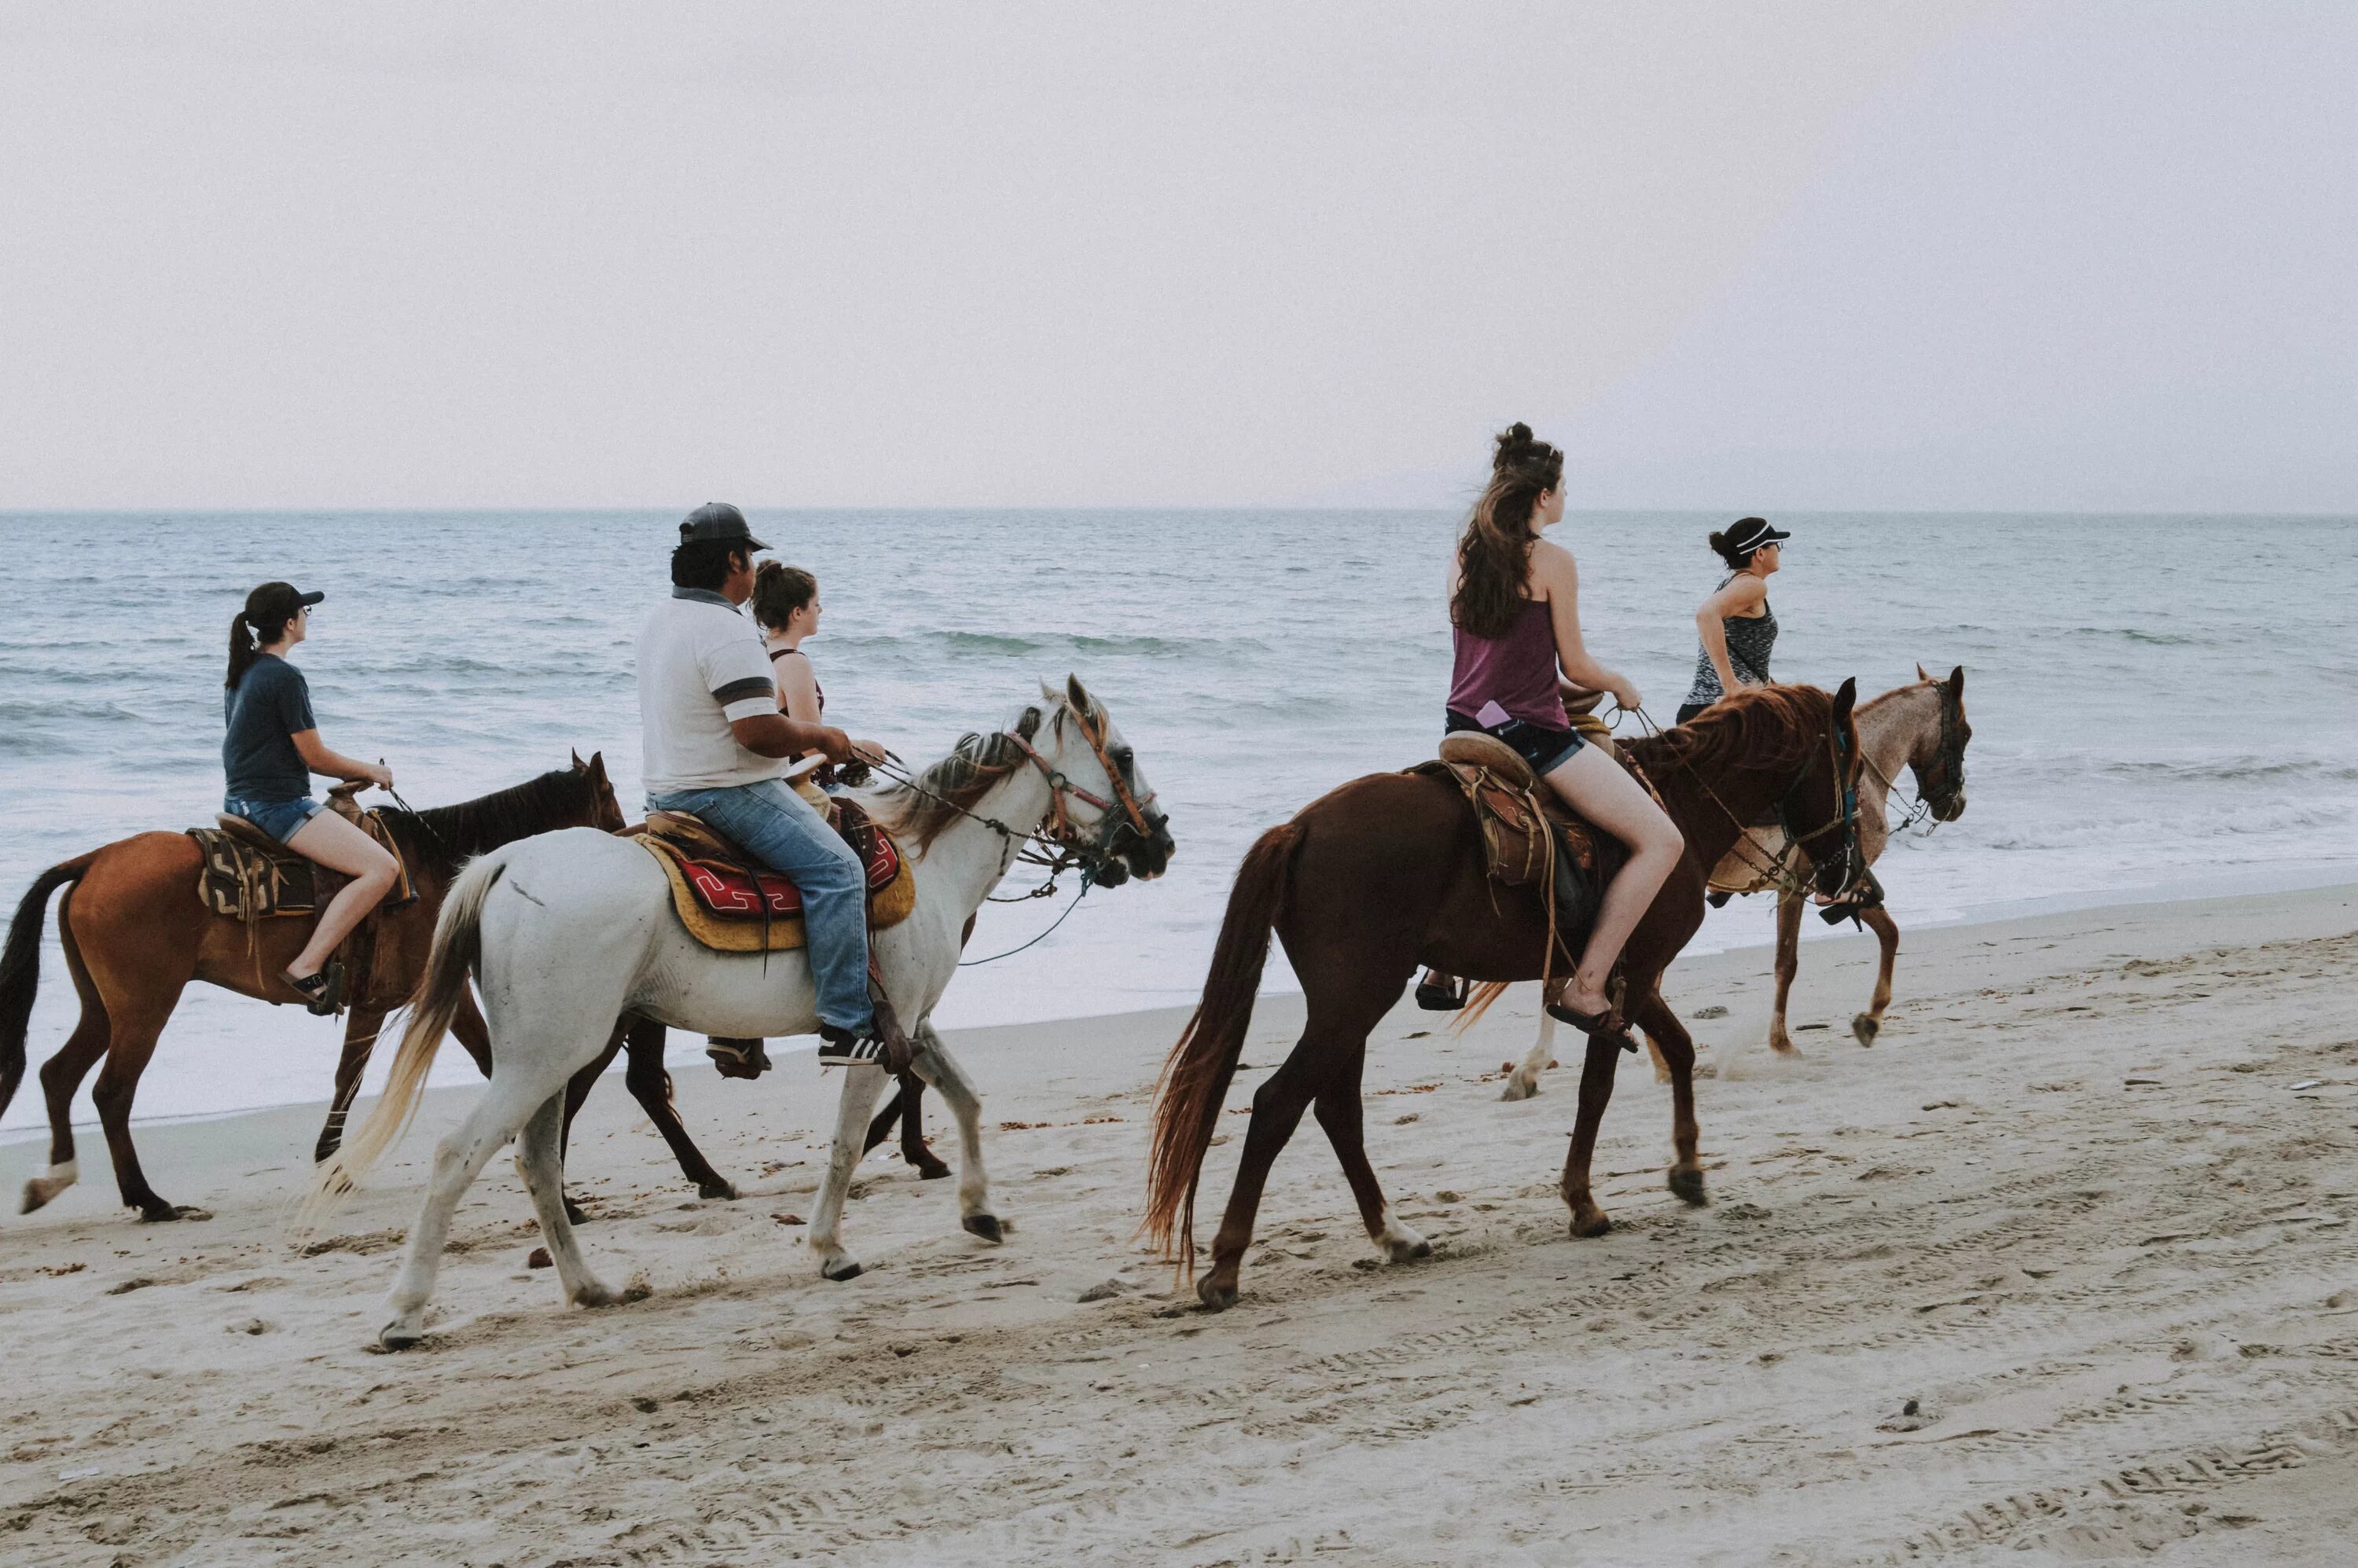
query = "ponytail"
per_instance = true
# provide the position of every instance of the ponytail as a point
(241, 649)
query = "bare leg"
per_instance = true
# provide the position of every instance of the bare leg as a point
(1869, 1025)
(542, 1165)
(1595, 786)
(1789, 963)
(957, 1092)
(340, 846)
(861, 1086)
(1596, 1092)
(1675, 1048)
(361, 1025)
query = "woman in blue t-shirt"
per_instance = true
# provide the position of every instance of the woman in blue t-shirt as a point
(271, 751)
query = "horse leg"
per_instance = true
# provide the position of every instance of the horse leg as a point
(459, 1159)
(1675, 1047)
(886, 1120)
(914, 1152)
(649, 1084)
(1277, 1108)
(1524, 1081)
(1869, 1025)
(577, 1090)
(1339, 1110)
(1597, 1072)
(362, 1026)
(1789, 960)
(61, 1074)
(540, 1160)
(966, 1108)
(133, 1041)
(862, 1085)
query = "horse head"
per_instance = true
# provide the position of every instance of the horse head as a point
(1939, 757)
(1827, 794)
(1104, 808)
(605, 810)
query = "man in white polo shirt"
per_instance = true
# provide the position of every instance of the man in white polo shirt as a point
(715, 744)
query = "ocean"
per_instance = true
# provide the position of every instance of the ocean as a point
(2160, 704)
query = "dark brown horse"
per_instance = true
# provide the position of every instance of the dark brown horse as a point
(135, 933)
(1386, 873)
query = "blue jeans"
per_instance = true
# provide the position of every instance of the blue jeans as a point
(785, 833)
(282, 819)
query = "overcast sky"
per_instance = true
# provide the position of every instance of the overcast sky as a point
(1927, 256)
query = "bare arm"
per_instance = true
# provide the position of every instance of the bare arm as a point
(797, 689)
(1741, 592)
(335, 764)
(1554, 574)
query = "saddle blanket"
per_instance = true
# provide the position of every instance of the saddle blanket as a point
(243, 881)
(731, 907)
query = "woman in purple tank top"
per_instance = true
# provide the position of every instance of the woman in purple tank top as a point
(1514, 610)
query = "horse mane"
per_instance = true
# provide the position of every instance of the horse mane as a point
(1758, 729)
(916, 814)
(445, 836)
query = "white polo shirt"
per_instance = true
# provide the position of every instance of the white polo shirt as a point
(701, 666)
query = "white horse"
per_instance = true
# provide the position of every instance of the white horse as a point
(1919, 726)
(566, 932)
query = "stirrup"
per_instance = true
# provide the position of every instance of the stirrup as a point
(1447, 998)
(734, 1057)
(1595, 1025)
(323, 993)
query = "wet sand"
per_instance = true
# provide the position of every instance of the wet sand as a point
(2061, 1270)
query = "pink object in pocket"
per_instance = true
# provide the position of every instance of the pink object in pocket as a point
(1491, 715)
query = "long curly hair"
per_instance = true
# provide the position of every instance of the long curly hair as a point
(1494, 553)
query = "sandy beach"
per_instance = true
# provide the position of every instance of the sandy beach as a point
(2061, 1270)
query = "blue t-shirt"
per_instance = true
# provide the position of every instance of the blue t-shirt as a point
(266, 710)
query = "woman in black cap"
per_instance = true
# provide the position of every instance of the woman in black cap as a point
(271, 751)
(1736, 626)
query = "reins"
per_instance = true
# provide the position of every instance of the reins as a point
(1777, 871)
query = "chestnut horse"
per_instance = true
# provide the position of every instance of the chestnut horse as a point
(1386, 873)
(134, 934)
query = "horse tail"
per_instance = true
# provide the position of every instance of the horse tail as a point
(457, 950)
(1196, 1075)
(20, 968)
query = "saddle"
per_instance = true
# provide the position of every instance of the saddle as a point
(247, 875)
(731, 904)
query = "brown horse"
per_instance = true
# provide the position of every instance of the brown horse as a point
(134, 934)
(1386, 873)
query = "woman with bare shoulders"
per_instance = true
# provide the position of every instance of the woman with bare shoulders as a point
(1736, 630)
(787, 606)
(1514, 610)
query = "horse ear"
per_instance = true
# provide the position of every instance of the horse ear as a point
(1957, 681)
(1078, 697)
(597, 765)
(1051, 693)
(577, 763)
(1845, 698)
(1920, 671)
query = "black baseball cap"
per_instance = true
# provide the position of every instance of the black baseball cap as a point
(275, 603)
(718, 520)
(1752, 532)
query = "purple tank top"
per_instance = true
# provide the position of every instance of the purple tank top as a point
(1516, 670)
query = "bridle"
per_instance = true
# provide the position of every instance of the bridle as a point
(1778, 870)
(1060, 788)
(1947, 779)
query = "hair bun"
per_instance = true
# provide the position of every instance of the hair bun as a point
(1515, 445)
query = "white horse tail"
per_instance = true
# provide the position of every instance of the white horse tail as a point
(458, 949)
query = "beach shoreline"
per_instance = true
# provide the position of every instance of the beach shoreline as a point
(2067, 1252)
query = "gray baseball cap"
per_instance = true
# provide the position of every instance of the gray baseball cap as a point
(718, 520)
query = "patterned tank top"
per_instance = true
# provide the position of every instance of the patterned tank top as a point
(1749, 639)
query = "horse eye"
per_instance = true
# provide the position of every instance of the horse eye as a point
(1123, 757)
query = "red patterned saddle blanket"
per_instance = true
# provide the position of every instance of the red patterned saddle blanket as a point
(728, 902)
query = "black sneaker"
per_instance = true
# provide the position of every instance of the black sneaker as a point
(849, 1048)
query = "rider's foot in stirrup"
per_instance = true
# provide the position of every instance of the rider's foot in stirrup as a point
(840, 1047)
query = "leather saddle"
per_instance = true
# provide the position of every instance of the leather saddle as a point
(733, 904)
(247, 875)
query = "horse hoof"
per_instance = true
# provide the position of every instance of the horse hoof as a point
(985, 1225)
(1687, 1188)
(1214, 1296)
(1595, 1223)
(574, 1213)
(163, 1213)
(398, 1337)
(1408, 1249)
(726, 1190)
(847, 1269)
(932, 1171)
(1864, 1028)
(1518, 1089)
(38, 1194)
(594, 1294)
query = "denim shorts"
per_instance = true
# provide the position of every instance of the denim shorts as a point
(282, 819)
(1543, 746)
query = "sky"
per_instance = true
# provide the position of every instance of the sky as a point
(1945, 256)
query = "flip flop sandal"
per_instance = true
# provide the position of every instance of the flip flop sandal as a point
(1595, 1025)
(323, 993)
(1450, 997)
(736, 1058)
